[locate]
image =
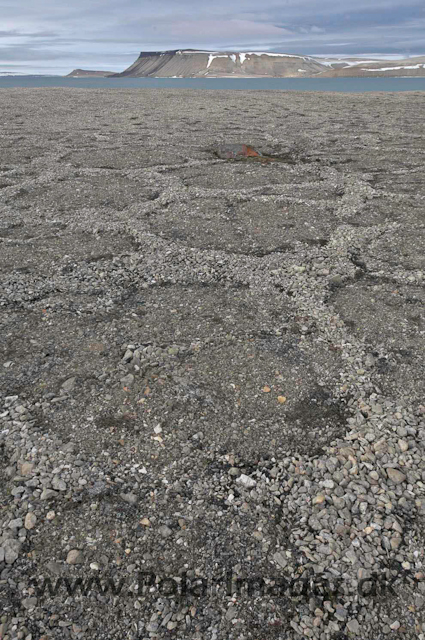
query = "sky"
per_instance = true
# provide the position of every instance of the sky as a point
(56, 36)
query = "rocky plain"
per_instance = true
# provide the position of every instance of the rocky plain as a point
(211, 374)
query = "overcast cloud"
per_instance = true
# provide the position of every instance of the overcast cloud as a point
(56, 36)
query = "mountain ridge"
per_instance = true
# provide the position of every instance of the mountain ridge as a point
(197, 63)
(193, 63)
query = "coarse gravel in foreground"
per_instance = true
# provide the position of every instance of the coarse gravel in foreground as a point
(211, 372)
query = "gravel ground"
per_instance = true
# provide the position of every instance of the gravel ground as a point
(211, 370)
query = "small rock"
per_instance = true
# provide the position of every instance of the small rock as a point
(48, 494)
(403, 445)
(353, 626)
(128, 356)
(231, 613)
(280, 559)
(340, 613)
(395, 475)
(11, 550)
(68, 385)
(165, 531)
(145, 522)
(54, 567)
(130, 498)
(30, 521)
(246, 481)
(16, 524)
(128, 380)
(75, 556)
(58, 484)
(26, 469)
(29, 603)
(395, 542)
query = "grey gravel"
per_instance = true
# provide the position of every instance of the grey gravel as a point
(212, 367)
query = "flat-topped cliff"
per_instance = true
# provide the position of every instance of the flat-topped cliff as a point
(193, 63)
(86, 73)
(190, 63)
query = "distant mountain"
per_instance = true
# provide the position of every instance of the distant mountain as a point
(84, 73)
(377, 69)
(193, 63)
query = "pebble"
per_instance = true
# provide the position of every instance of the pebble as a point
(75, 556)
(353, 626)
(48, 494)
(128, 380)
(130, 498)
(403, 445)
(11, 550)
(396, 476)
(246, 481)
(30, 520)
(68, 385)
(27, 469)
(165, 531)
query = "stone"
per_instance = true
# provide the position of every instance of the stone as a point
(145, 522)
(395, 542)
(68, 385)
(128, 356)
(29, 603)
(403, 445)
(246, 481)
(17, 523)
(58, 484)
(26, 469)
(165, 531)
(75, 556)
(280, 559)
(30, 520)
(130, 498)
(48, 494)
(340, 613)
(353, 626)
(128, 380)
(395, 475)
(11, 550)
